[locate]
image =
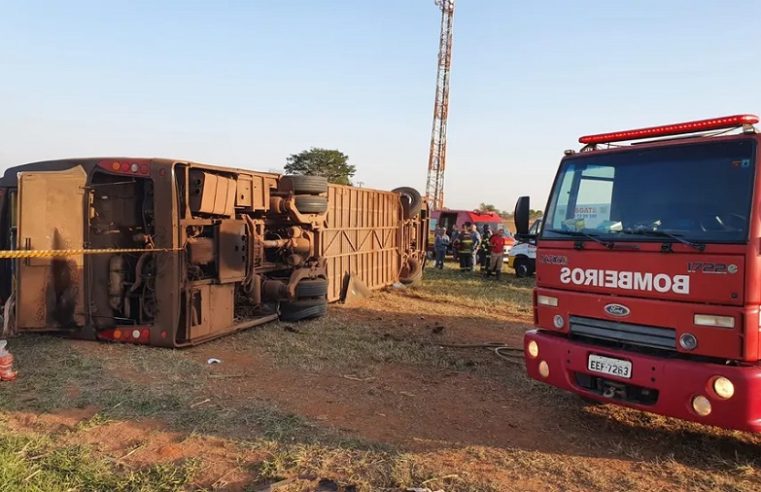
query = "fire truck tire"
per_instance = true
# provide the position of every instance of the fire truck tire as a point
(522, 267)
(312, 288)
(303, 309)
(411, 200)
(309, 204)
(310, 185)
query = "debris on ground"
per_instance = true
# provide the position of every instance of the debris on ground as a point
(290, 329)
(213, 360)
(354, 289)
(6, 363)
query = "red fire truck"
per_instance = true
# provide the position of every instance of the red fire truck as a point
(649, 272)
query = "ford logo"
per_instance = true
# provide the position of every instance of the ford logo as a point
(617, 310)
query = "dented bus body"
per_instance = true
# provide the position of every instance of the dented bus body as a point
(190, 251)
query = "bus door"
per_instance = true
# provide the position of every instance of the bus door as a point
(50, 215)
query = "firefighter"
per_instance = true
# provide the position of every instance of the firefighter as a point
(453, 234)
(484, 249)
(476, 244)
(465, 243)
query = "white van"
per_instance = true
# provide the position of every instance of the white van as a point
(522, 256)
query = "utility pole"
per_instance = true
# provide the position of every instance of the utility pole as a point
(438, 153)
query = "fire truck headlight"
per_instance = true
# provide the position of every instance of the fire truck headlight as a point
(544, 369)
(547, 301)
(723, 387)
(711, 320)
(533, 349)
(688, 341)
(701, 405)
(558, 321)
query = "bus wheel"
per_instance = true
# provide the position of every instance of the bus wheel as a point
(303, 309)
(312, 288)
(412, 273)
(522, 267)
(412, 202)
(308, 204)
(310, 185)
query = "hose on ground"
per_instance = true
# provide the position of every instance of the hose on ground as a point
(504, 351)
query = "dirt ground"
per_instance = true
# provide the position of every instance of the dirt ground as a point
(368, 398)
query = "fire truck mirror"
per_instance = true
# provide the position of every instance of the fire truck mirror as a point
(520, 216)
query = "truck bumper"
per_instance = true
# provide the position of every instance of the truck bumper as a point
(663, 386)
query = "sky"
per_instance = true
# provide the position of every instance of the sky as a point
(247, 83)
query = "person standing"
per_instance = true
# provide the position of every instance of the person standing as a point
(440, 245)
(484, 248)
(476, 236)
(465, 248)
(453, 234)
(497, 243)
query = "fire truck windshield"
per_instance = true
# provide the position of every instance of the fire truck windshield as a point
(695, 192)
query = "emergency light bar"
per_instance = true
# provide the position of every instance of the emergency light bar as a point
(675, 129)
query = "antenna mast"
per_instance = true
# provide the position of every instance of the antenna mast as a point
(438, 154)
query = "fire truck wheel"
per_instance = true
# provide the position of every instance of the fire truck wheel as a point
(309, 204)
(312, 288)
(303, 309)
(411, 200)
(522, 267)
(311, 185)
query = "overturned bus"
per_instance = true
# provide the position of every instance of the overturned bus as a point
(174, 253)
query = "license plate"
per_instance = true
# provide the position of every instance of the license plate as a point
(613, 367)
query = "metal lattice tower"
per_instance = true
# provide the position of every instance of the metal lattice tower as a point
(437, 157)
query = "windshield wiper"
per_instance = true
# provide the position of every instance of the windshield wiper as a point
(671, 235)
(579, 234)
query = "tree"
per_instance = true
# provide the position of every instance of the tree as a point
(487, 207)
(332, 164)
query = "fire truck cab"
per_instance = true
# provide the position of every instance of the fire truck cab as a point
(648, 272)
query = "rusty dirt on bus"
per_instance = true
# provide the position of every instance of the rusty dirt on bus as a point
(187, 252)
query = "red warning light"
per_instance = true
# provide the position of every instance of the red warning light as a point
(129, 166)
(675, 129)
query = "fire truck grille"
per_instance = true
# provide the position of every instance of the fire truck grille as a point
(626, 333)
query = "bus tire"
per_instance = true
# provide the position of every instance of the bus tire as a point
(310, 185)
(522, 267)
(303, 309)
(411, 200)
(309, 204)
(312, 288)
(412, 273)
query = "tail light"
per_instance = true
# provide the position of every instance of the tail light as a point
(135, 167)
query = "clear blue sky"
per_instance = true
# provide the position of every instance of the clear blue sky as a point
(247, 83)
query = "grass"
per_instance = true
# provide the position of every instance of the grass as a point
(569, 446)
(471, 291)
(31, 462)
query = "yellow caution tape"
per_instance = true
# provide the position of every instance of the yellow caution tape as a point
(57, 253)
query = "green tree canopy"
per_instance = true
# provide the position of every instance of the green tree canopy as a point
(487, 207)
(332, 164)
